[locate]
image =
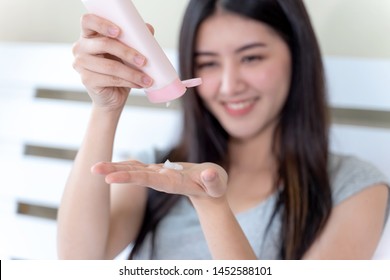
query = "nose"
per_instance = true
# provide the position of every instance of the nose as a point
(231, 82)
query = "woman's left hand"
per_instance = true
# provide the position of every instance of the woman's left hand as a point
(205, 184)
(194, 180)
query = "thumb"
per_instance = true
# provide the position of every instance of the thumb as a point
(215, 184)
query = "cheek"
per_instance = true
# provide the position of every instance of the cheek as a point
(209, 87)
(282, 86)
(273, 79)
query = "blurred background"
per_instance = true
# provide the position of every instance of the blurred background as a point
(44, 109)
(344, 27)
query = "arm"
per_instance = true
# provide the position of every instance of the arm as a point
(352, 232)
(94, 219)
(83, 217)
(354, 227)
(89, 226)
(205, 184)
(224, 236)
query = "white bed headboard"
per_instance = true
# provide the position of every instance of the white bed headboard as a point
(359, 94)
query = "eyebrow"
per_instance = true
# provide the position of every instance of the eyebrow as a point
(240, 49)
(250, 46)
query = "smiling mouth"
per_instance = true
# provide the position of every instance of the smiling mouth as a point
(241, 107)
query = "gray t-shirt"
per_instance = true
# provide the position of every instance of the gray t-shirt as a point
(179, 234)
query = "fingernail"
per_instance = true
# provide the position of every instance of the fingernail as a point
(209, 176)
(146, 80)
(139, 60)
(113, 31)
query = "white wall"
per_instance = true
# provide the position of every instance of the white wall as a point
(352, 27)
(58, 20)
(344, 27)
(40, 20)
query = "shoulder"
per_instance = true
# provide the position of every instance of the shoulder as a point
(350, 175)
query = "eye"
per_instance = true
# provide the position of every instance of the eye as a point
(205, 65)
(252, 58)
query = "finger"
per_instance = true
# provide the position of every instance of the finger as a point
(91, 25)
(103, 45)
(132, 162)
(164, 180)
(97, 81)
(150, 27)
(214, 185)
(143, 178)
(111, 73)
(105, 168)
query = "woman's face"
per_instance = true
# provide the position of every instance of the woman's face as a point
(246, 72)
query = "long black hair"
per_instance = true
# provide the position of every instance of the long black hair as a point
(301, 138)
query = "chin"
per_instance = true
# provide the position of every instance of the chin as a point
(242, 135)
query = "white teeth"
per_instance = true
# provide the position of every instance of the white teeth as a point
(238, 105)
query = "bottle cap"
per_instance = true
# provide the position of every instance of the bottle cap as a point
(172, 91)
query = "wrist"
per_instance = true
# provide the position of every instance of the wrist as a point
(106, 113)
(103, 122)
(210, 204)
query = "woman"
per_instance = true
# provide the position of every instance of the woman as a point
(258, 180)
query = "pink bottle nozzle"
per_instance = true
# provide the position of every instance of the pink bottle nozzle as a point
(172, 91)
(192, 82)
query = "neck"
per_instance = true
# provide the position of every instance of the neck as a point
(252, 155)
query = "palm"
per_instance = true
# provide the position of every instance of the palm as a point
(206, 179)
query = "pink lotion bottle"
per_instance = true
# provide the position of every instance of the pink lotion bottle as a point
(166, 86)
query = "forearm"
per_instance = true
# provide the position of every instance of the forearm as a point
(223, 233)
(83, 218)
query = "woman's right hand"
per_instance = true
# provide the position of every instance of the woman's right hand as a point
(108, 68)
